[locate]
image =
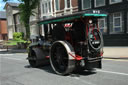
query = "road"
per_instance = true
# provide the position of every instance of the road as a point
(15, 70)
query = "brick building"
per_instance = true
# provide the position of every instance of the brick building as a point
(3, 26)
(115, 26)
(53, 8)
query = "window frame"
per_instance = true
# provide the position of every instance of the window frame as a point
(127, 21)
(100, 5)
(121, 30)
(49, 9)
(58, 5)
(110, 1)
(69, 3)
(86, 8)
(43, 8)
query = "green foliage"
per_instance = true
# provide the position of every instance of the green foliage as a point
(11, 43)
(15, 42)
(18, 36)
(26, 10)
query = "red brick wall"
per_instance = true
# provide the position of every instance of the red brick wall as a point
(74, 3)
(3, 30)
(62, 4)
(3, 26)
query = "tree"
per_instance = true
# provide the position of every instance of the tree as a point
(26, 10)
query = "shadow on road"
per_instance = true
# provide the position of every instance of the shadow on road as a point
(49, 69)
(82, 73)
(46, 68)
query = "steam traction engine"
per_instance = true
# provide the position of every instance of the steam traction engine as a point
(71, 42)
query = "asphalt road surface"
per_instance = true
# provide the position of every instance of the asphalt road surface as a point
(15, 70)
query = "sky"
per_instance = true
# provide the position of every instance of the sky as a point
(2, 4)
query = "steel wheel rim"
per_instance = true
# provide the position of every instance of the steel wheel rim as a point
(60, 58)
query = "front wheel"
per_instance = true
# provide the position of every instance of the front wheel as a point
(32, 59)
(61, 62)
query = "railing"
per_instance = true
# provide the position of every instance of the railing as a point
(66, 11)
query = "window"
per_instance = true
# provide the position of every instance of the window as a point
(115, 1)
(18, 19)
(46, 7)
(57, 5)
(86, 4)
(116, 23)
(103, 25)
(99, 3)
(49, 3)
(43, 9)
(127, 22)
(68, 3)
(32, 17)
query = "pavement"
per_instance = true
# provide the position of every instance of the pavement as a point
(116, 52)
(109, 52)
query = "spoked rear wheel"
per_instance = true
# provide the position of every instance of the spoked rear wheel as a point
(95, 39)
(61, 62)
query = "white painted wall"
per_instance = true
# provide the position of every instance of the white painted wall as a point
(10, 33)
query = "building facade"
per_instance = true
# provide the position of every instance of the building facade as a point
(13, 20)
(115, 26)
(11, 9)
(3, 26)
(54, 8)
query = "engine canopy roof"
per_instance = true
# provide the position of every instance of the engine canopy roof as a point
(72, 17)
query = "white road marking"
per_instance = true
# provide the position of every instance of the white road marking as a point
(5, 54)
(118, 73)
(116, 60)
(14, 58)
